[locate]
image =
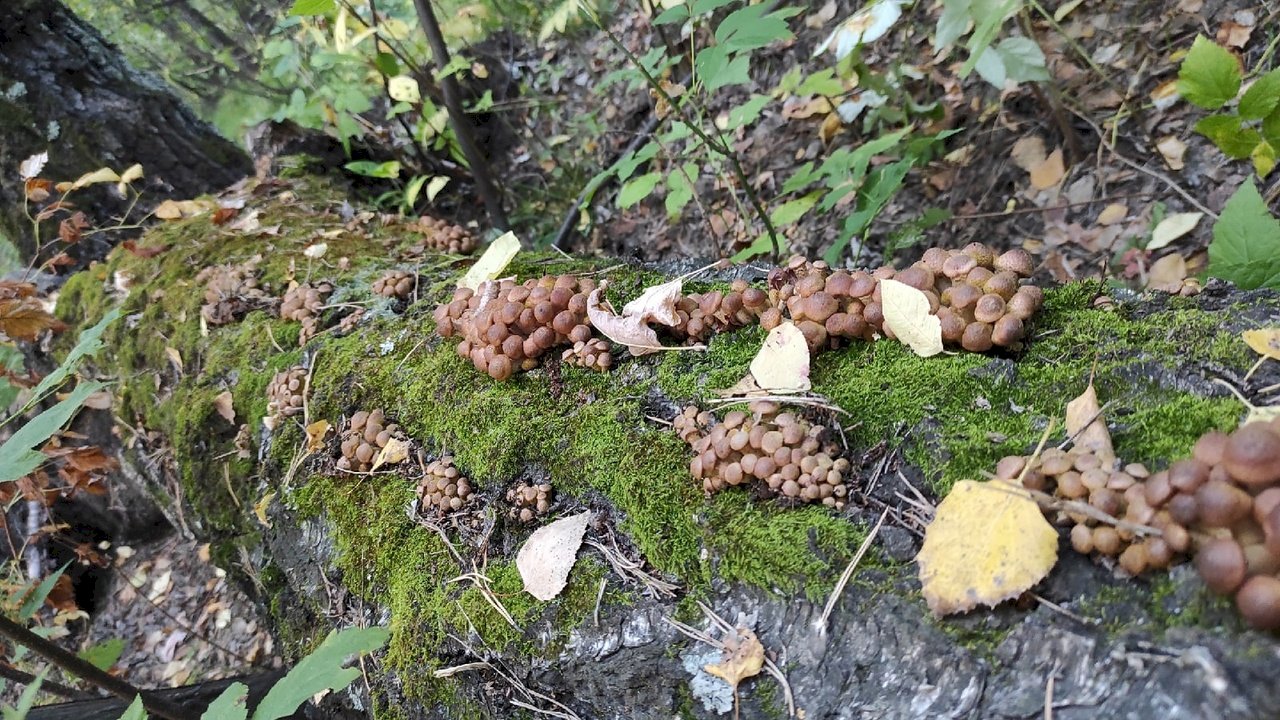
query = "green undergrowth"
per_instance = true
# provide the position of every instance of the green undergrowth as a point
(952, 416)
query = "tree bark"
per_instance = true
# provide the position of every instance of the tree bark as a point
(64, 89)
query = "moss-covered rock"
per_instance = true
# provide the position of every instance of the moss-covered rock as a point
(910, 424)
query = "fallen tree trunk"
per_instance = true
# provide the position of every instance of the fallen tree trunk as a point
(329, 546)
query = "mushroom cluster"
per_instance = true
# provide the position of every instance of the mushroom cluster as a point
(304, 303)
(529, 501)
(978, 297)
(444, 236)
(395, 284)
(348, 323)
(506, 327)
(778, 453)
(285, 394)
(231, 291)
(443, 489)
(702, 315)
(592, 354)
(368, 433)
(1120, 492)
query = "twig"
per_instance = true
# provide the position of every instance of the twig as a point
(8, 672)
(821, 623)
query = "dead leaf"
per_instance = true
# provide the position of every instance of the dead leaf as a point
(316, 251)
(988, 542)
(1173, 227)
(143, 252)
(1165, 95)
(657, 303)
(1113, 213)
(831, 125)
(1050, 172)
(545, 559)
(395, 451)
(1265, 342)
(100, 400)
(907, 316)
(782, 365)
(100, 175)
(24, 318)
(1087, 427)
(1029, 152)
(1173, 151)
(260, 508)
(628, 330)
(223, 404)
(492, 262)
(1265, 413)
(1233, 34)
(743, 657)
(32, 166)
(315, 435)
(1167, 273)
(223, 215)
(175, 357)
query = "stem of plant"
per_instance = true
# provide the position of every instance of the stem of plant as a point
(458, 117)
(90, 673)
(13, 674)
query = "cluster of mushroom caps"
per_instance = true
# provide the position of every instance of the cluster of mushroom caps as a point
(977, 295)
(395, 284)
(777, 453)
(704, 314)
(1221, 505)
(443, 489)
(367, 434)
(231, 291)
(303, 303)
(529, 501)
(285, 394)
(444, 236)
(505, 327)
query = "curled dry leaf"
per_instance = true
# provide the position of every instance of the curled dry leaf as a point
(988, 542)
(906, 314)
(628, 330)
(260, 508)
(657, 303)
(1265, 342)
(743, 658)
(395, 451)
(223, 404)
(1167, 273)
(492, 262)
(1172, 228)
(1087, 426)
(32, 166)
(24, 318)
(315, 435)
(782, 365)
(545, 559)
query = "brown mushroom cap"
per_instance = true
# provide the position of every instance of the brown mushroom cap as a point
(1222, 504)
(1221, 564)
(1008, 331)
(1259, 602)
(1209, 448)
(989, 308)
(1252, 454)
(1017, 261)
(977, 337)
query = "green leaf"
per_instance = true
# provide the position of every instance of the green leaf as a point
(37, 596)
(628, 163)
(637, 189)
(230, 705)
(1210, 75)
(823, 82)
(1246, 242)
(749, 28)
(89, 343)
(387, 64)
(746, 113)
(321, 670)
(989, 16)
(1230, 135)
(679, 188)
(1262, 97)
(760, 246)
(16, 455)
(1023, 59)
(135, 711)
(952, 23)
(912, 233)
(1271, 128)
(801, 178)
(26, 701)
(881, 186)
(368, 168)
(1264, 159)
(313, 7)
(104, 654)
(717, 69)
(703, 7)
(792, 210)
(457, 64)
(677, 14)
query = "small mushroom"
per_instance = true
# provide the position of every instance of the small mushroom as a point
(1221, 564)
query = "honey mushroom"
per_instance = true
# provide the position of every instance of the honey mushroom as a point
(395, 284)
(230, 292)
(444, 236)
(776, 452)
(366, 435)
(443, 489)
(529, 501)
(284, 393)
(304, 303)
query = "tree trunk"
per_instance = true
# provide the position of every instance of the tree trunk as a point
(64, 89)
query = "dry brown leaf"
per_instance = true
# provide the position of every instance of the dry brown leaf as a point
(657, 303)
(395, 451)
(907, 316)
(831, 125)
(1173, 151)
(1165, 95)
(782, 365)
(1113, 213)
(1167, 273)
(315, 435)
(988, 542)
(1029, 152)
(545, 559)
(1265, 341)
(223, 404)
(24, 318)
(628, 330)
(743, 657)
(1050, 172)
(1233, 34)
(175, 357)
(260, 508)
(1087, 426)
(100, 400)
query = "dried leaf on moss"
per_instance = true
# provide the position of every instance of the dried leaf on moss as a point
(987, 543)
(545, 559)
(395, 451)
(782, 365)
(906, 314)
(495, 259)
(1265, 342)
(1087, 426)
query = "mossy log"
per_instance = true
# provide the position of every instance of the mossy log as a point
(337, 547)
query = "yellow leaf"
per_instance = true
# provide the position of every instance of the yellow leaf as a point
(988, 542)
(315, 435)
(1173, 227)
(1048, 173)
(1265, 342)
(403, 88)
(492, 262)
(1087, 427)
(1028, 152)
(128, 176)
(395, 451)
(100, 175)
(175, 357)
(1113, 213)
(1167, 273)
(782, 365)
(743, 658)
(223, 404)
(260, 508)
(906, 315)
(1266, 413)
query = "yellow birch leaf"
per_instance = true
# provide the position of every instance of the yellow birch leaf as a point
(395, 451)
(782, 365)
(260, 508)
(100, 175)
(988, 542)
(906, 314)
(492, 262)
(1050, 172)
(315, 435)
(1087, 426)
(743, 658)
(1265, 342)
